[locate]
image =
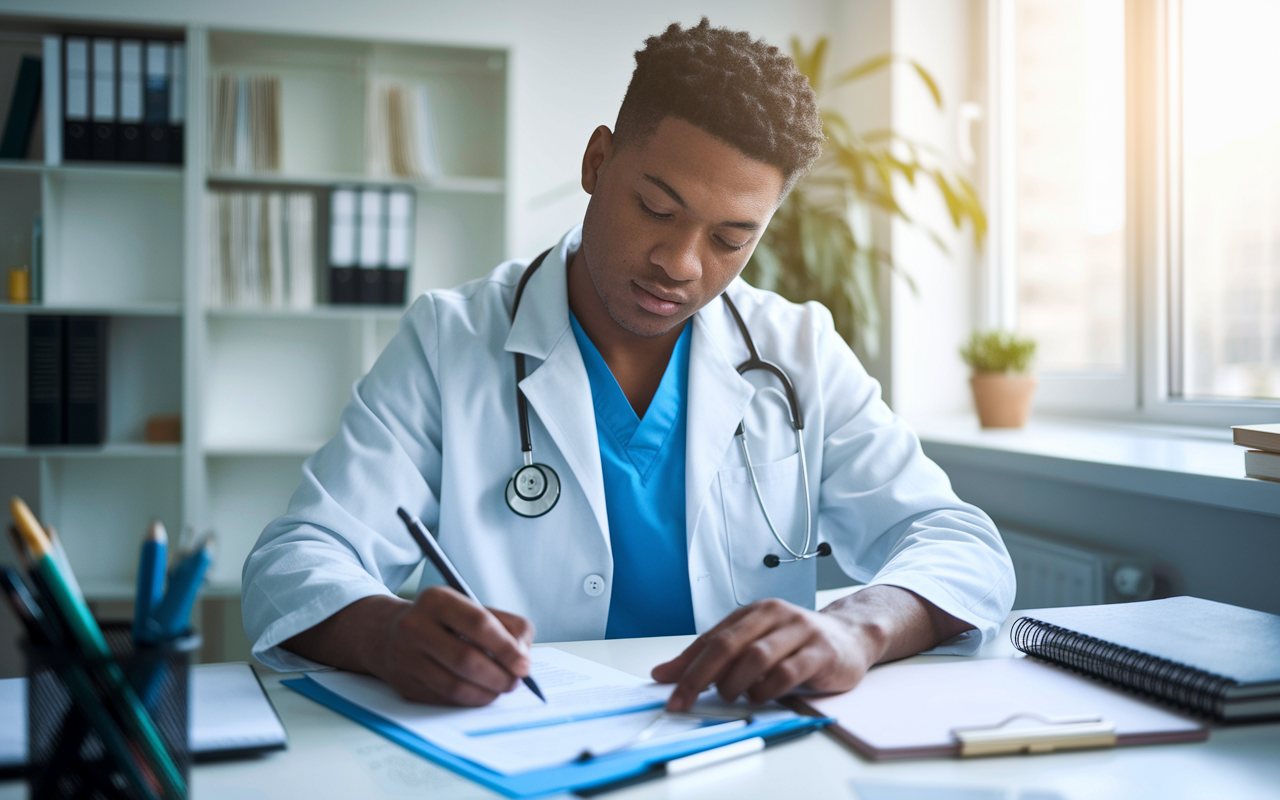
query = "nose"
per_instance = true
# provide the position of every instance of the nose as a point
(680, 256)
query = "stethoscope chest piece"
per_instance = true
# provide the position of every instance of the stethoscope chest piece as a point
(533, 490)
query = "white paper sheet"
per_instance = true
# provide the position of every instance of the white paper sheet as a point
(900, 706)
(589, 706)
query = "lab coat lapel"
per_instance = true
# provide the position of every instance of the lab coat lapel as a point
(558, 390)
(718, 399)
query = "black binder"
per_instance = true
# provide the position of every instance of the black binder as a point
(177, 99)
(103, 139)
(75, 99)
(399, 245)
(156, 116)
(343, 245)
(372, 247)
(86, 389)
(131, 142)
(22, 110)
(44, 380)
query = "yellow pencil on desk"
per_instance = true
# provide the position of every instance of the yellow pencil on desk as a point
(86, 633)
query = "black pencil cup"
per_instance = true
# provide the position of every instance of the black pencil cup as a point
(77, 733)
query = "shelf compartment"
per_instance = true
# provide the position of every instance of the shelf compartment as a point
(144, 378)
(244, 495)
(102, 507)
(110, 239)
(278, 381)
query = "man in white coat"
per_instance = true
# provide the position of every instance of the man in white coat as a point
(634, 401)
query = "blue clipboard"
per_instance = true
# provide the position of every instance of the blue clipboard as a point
(605, 769)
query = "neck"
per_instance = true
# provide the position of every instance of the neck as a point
(637, 362)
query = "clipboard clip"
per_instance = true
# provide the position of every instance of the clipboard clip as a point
(1043, 735)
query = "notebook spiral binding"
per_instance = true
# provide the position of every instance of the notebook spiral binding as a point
(1188, 687)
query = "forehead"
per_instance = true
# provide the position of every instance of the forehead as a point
(712, 176)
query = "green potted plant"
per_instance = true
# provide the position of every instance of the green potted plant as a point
(819, 245)
(1002, 387)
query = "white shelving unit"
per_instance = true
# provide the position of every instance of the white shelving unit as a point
(259, 390)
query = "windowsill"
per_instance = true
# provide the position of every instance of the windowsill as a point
(1198, 465)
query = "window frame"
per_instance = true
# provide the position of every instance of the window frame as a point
(1145, 389)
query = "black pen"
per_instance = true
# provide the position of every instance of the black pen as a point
(706, 758)
(431, 549)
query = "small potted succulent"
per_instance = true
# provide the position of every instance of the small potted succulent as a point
(1002, 387)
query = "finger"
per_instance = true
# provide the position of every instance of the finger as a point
(464, 660)
(517, 625)
(481, 628)
(760, 657)
(670, 671)
(427, 681)
(721, 649)
(792, 671)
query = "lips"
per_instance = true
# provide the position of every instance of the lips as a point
(655, 300)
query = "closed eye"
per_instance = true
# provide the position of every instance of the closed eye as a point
(731, 245)
(645, 207)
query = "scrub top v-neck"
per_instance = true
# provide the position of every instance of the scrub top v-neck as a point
(643, 461)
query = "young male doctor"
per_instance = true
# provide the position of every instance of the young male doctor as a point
(630, 357)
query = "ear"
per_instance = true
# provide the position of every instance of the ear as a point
(599, 151)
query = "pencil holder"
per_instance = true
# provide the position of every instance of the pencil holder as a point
(84, 741)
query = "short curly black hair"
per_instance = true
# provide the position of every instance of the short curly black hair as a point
(736, 88)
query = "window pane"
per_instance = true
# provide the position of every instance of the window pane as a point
(1070, 132)
(1231, 198)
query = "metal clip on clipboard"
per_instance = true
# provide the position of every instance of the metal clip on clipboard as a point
(1043, 736)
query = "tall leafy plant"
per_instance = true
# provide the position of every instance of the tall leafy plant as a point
(819, 245)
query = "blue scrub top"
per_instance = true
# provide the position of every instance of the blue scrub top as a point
(643, 463)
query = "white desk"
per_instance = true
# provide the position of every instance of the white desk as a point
(332, 757)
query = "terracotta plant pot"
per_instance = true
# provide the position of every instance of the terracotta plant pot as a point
(1003, 400)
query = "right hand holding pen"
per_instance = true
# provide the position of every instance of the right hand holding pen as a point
(446, 649)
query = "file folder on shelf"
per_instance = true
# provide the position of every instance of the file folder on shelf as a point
(75, 100)
(103, 142)
(130, 144)
(576, 775)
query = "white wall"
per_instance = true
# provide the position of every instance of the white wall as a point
(570, 61)
(928, 327)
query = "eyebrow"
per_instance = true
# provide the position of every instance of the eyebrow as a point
(666, 187)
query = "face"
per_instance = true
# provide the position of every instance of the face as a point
(672, 221)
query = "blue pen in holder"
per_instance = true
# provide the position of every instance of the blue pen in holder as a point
(69, 755)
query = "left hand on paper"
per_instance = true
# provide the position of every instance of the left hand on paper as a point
(766, 649)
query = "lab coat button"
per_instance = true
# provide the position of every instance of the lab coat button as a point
(593, 585)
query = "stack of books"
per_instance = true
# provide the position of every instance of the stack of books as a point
(1262, 460)
(261, 250)
(245, 123)
(401, 141)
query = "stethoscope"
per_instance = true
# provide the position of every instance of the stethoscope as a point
(534, 488)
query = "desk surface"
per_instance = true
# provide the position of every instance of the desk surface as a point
(331, 757)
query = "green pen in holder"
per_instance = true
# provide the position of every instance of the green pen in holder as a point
(77, 743)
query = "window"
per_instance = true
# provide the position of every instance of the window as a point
(1134, 189)
(1230, 76)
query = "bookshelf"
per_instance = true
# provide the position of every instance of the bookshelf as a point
(259, 388)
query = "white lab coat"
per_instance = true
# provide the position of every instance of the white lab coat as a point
(433, 428)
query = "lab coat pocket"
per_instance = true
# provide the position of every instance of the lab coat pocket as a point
(747, 538)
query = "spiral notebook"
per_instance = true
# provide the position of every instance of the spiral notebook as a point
(1210, 658)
